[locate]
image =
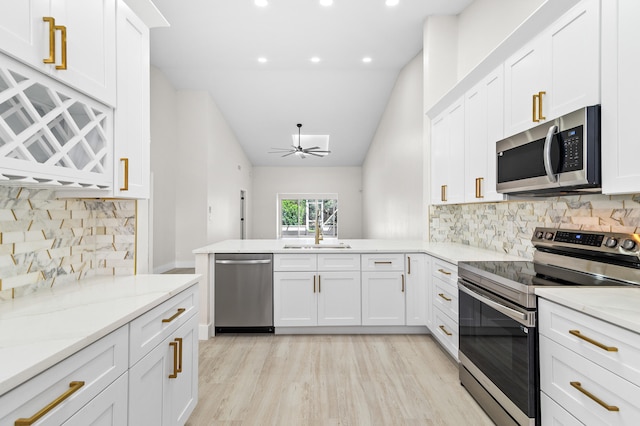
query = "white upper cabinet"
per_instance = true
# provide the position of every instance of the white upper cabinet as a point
(132, 116)
(620, 94)
(557, 72)
(447, 155)
(71, 40)
(484, 126)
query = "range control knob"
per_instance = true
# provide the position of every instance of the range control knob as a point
(539, 235)
(628, 244)
(548, 236)
(611, 242)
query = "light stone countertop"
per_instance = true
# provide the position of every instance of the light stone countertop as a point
(619, 306)
(449, 252)
(42, 329)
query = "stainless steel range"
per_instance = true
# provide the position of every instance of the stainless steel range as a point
(498, 347)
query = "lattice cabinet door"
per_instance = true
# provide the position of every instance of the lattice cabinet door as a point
(50, 134)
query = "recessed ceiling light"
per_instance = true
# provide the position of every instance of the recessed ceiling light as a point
(392, 2)
(262, 59)
(315, 59)
(326, 2)
(261, 3)
(366, 59)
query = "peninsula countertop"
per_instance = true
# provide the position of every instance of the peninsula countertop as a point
(42, 329)
(450, 252)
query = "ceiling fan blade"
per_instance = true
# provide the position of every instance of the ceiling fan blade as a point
(280, 151)
(319, 151)
(311, 149)
(314, 154)
(288, 154)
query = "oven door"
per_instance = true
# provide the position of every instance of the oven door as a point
(498, 347)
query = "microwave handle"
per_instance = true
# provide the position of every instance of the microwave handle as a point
(547, 153)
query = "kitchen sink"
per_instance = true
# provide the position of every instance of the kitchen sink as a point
(317, 246)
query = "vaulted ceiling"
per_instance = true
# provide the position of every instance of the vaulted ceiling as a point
(215, 45)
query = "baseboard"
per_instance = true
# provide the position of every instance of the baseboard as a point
(164, 268)
(204, 331)
(185, 263)
(354, 330)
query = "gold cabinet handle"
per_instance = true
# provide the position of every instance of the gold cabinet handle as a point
(63, 31)
(402, 275)
(52, 40)
(380, 262)
(444, 330)
(314, 283)
(534, 109)
(479, 187)
(593, 342)
(125, 187)
(179, 340)
(443, 193)
(408, 265)
(319, 284)
(540, 116)
(73, 388)
(578, 386)
(444, 297)
(444, 272)
(174, 316)
(174, 345)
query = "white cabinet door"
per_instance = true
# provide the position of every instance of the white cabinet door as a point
(418, 273)
(183, 390)
(484, 126)
(620, 94)
(109, 408)
(383, 298)
(339, 298)
(294, 299)
(574, 54)
(22, 30)
(447, 156)
(526, 77)
(91, 46)
(132, 119)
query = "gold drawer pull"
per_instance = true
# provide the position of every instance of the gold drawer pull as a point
(578, 386)
(445, 331)
(479, 187)
(314, 283)
(402, 282)
(52, 40)
(385, 262)
(174, 345)
(540, 116)
(444, 272)
(73, 387)
(593, 342)
(179, 340)
(444, 297)
(125, 187)
(63, 31)
(443, 193)
(319, 284)
(408, 265)
(174, 316)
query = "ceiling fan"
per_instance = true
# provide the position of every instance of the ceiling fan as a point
(298, 150)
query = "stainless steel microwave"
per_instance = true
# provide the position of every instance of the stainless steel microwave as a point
(558, 157)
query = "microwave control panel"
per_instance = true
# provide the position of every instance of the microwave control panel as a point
(571, 150)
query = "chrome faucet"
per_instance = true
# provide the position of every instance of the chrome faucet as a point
(319, 236)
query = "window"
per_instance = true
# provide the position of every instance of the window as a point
(297, 215)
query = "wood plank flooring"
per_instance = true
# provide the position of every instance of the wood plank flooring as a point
(330, 380)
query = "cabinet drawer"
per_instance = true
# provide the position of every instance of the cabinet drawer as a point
(445, 271)
(295, 262)
(383, 262)
(559, 322)
(446, 331)
(109, 408)
(567, 377)
(445, 297)
(553, 414)
(151, 328)
(338, 262)
(97, 365)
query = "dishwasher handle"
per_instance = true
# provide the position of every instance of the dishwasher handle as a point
(243, 262)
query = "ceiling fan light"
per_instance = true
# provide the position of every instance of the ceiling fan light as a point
(261, 3)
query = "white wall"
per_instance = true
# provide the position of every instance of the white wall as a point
(392, 175)
(164, 134)
(486, 23)
(269, 181)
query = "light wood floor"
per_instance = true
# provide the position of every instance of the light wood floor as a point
(330, 380)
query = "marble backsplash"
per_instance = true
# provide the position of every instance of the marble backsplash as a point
(507, 227)
(46, 242)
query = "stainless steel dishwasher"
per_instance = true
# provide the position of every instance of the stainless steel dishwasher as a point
(243, 293)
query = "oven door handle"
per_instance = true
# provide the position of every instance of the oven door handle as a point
(521, 317)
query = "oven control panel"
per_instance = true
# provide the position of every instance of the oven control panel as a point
(610, 242)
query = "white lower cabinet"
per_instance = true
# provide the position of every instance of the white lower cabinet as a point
(444, 299)
(553, 414)
(588, 367)
(418, 269)
(316, 290)
(383, 298)
(109, 408)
